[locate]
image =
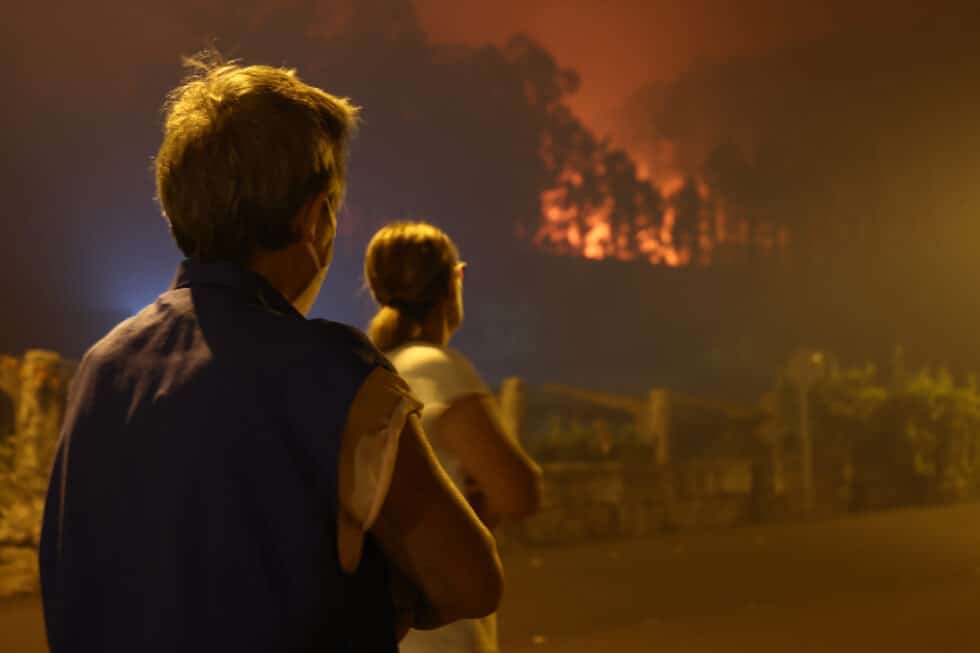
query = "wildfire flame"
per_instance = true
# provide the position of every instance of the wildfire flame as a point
(593, 230)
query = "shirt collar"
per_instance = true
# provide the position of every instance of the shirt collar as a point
(192, 272)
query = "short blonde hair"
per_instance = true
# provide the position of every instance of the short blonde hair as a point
(244, 149)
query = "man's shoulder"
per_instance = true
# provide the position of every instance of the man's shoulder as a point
(325, 367)
(344, 343)
(118, 339)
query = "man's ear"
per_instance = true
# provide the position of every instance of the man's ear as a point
(316, 225)
(307, 222)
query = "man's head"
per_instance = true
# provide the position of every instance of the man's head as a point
(252, 161)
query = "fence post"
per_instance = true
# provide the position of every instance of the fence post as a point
(512, 406)
(657, 430)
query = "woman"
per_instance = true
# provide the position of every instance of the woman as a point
(415, 275)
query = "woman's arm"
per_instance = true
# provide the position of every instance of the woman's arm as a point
(434, 540)
(510, 481)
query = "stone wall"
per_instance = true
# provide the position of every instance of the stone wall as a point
(671, 462)
(594, 500)
(9, 392)
(582, 500)
(33, 389)
(636, 493)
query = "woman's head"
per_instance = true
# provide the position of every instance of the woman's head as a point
(414, 273)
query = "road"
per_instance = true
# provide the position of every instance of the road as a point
(893, 582)
(898, 581)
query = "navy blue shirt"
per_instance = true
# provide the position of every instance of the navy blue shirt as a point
(193, 501)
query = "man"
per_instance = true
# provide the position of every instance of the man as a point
(232, 476)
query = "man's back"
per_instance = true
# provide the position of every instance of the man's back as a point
(193, 504)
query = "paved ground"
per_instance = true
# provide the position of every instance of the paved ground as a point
(900, 581)
(892, 582)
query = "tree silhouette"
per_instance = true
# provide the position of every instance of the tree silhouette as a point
(693, 232)
(731, 180)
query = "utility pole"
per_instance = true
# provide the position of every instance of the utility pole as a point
(805, 368)
(806, 447)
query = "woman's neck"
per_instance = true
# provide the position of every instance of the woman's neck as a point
(435, 329)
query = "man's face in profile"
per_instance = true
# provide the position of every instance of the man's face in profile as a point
(319, 230)
(455, 315)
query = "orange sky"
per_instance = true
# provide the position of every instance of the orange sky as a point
(619, 45)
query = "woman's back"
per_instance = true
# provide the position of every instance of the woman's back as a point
(440, 376)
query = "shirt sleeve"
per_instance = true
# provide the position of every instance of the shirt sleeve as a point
(466, 380)
(368, 449)
(439, 376)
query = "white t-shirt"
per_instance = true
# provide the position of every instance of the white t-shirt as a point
(438, 376)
